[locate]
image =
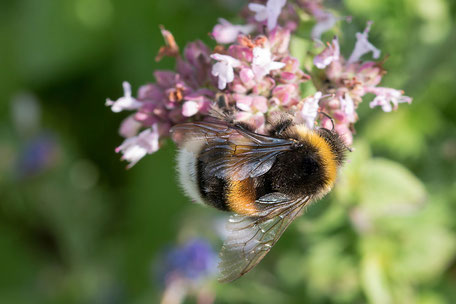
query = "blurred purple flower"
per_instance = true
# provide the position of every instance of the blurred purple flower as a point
(38, 154)
(194, 261)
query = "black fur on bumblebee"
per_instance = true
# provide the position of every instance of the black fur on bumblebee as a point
(265, 180)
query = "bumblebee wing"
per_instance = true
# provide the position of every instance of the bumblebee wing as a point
(232, 150)
(251, 238)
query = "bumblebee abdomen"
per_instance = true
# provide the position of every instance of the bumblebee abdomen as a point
(224, 192)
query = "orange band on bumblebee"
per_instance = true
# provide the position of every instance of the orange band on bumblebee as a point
(241, 196)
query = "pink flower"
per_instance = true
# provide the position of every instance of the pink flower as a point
(129, 127)
(190, 108)
(225, 32)
(127, 102)
(135, 148)
(196, 103)
(308, 110)
(286, 94)
(279, 39)
(386, 97)
(262, 62)
(363, 46)
(247, 77)
(256, 120)
(252, 104)
(269, 12)
(224, 69)
(330, 53)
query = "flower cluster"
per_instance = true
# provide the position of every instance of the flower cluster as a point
(349, 80)
(252, 68)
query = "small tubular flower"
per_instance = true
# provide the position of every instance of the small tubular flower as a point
(308, 110)
(224, 69)
(135, 148)
(262, 63)
(269, 12)
(387, 98)
(127, 102)
(328, 55)
(363, 46)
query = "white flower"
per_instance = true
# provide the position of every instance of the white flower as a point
(262, 62)
(347, 106)
(224, 69)
(325, 22)
(270, 12)
(225, 32)
(330, 53)
(386, 97)
(363, 46)
(135, 148)
(309, 110)
(127, 102)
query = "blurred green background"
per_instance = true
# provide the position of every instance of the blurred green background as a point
(76, 227)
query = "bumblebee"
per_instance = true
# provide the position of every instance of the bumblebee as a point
(264, 180)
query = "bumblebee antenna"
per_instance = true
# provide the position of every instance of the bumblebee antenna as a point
(332, 119)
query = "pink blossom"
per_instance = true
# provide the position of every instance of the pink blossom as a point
(129, 127)
(127, 102)
(269, 12)
(252, 104)
(247, 77)
(190, 108)
(286, 94)
(279, 39)
(224, 69)
(135, 148)
(363, 46)
(225, 32)
(240, 52)
(386, 97)
(330, 53)
(196, 103)
(262, 62)
(256, 120)
(308, 110)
